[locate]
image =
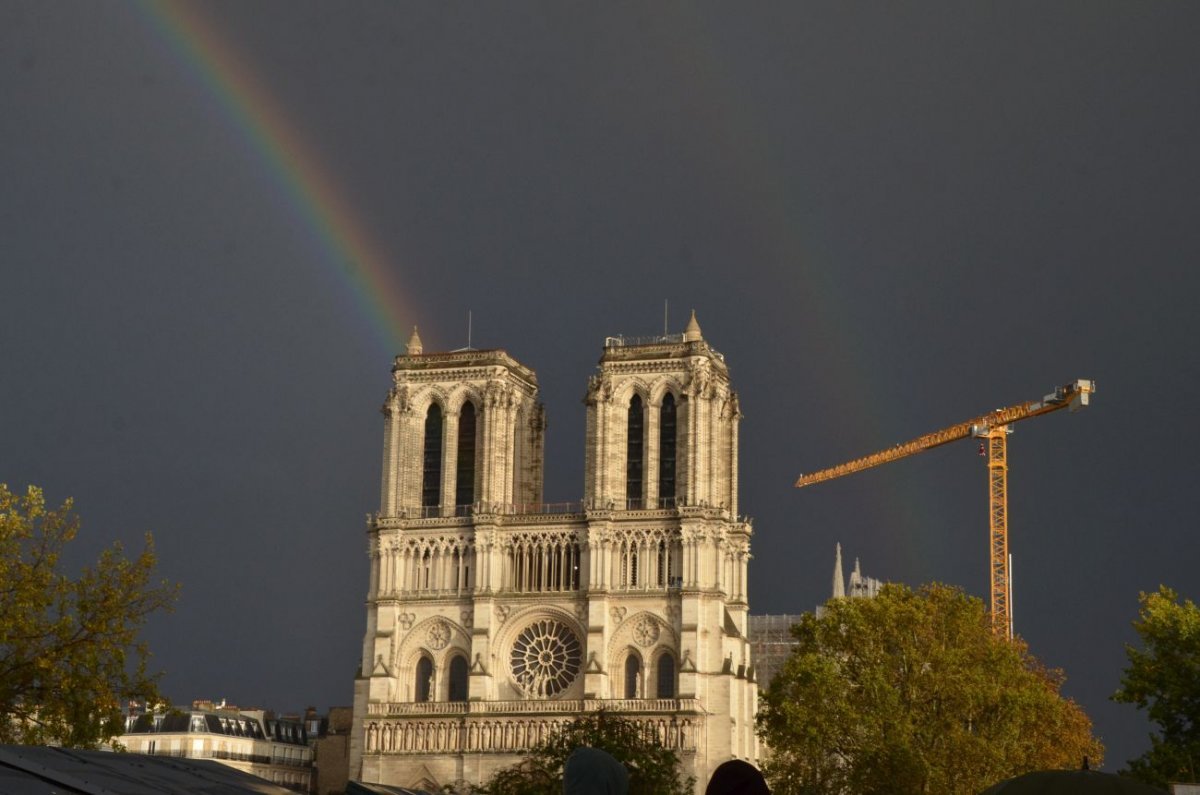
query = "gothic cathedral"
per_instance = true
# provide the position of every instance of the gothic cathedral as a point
(493, 617)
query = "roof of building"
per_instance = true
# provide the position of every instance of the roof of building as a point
(39, 770)
(368, 788)
(232, 724)
(463, 358)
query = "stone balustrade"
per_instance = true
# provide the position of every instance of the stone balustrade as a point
(570, 706)
(473, 733)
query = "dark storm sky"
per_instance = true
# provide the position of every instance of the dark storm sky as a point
(889, 219)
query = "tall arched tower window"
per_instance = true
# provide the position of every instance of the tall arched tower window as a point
(666, 452)
(431, 483)
(464, 490)
(424, 684)
(634, 454)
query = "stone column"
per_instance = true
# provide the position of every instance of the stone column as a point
(650, 444)
(449, 461)
(373, 554)
(734, 420)
(387, 488)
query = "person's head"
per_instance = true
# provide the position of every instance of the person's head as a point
(590, 771)
(736, 777)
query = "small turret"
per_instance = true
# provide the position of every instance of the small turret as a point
(839, 583)
(414, 347)
(692, 332)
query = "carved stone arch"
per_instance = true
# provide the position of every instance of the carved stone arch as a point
(622, 653)
(657, 655)
(417, 642)
(661, 386)
(621, 664)
(663, 648)
(459, 395)
(628, 388)
(633, 537)
(426, 396)
(518, 619)
(631, 633)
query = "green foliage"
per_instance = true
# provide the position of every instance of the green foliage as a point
(653, 769)
(911, 692)
(69, 651)
(1164, 679)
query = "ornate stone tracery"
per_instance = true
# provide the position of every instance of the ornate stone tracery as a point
(543, 561)
(545, 658)
(645, 632)
(439, 635)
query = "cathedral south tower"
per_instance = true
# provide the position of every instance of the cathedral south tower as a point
(494, 618)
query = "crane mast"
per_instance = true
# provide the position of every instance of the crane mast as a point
(993, 428)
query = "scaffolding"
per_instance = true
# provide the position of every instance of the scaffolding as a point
(770, 644)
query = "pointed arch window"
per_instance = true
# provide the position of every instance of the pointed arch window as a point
(431, 483)
(634, 470)
(663, 564)
(666, 676)
(629, 566)
(633, 672)
(464, 490)
(424, 680)
(666, 452)
(458, 679)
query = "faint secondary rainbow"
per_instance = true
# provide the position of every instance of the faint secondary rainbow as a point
(307, 188)
(752, 154)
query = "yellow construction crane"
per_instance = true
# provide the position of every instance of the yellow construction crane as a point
(993, 428)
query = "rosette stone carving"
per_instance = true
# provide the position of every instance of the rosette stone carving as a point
(439, 635)
(645, 632)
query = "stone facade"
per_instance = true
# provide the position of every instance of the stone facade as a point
(494, 618)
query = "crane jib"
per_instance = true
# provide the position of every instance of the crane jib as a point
(993, 429)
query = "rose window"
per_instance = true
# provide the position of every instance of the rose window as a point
(439, 635)
(545, 658)
(646, 631)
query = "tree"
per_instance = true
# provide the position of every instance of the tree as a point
(1164, 679)
(912, 692)
(69, 648)
(653, 768)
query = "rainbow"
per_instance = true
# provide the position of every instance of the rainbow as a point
(308, 190)
(314, 197)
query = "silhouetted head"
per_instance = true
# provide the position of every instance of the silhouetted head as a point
(736, 777)
(590, 771)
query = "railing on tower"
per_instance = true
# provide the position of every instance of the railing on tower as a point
(621, 341)
(575, 508)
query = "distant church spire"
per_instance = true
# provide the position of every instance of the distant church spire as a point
(839, 583)
(692, 332)
(414, 347)
(857, 588)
